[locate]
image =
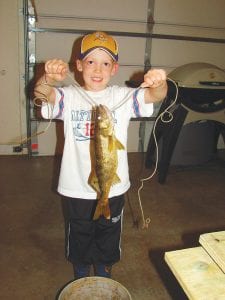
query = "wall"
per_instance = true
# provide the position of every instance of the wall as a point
(13, 103)
(187, 18)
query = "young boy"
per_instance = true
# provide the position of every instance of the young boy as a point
(94, 242)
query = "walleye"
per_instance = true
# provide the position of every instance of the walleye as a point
(104, 159)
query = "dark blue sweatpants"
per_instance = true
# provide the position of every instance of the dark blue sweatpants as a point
(94, 242)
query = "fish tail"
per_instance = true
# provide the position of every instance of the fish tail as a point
(102, 210)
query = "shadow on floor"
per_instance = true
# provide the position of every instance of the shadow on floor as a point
(170, 282)
(190, 239)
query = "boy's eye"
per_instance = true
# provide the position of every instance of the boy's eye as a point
(90, 62)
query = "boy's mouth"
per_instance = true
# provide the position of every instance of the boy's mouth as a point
(96, 79)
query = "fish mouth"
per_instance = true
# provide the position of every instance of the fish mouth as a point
(103, 110)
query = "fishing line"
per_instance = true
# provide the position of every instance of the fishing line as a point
(84, 94)
(88, 98)
(169, 119)
(45, 101)
(125, 99)
(42, 98)
(161, 117)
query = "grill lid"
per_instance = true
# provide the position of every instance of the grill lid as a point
(199, 75)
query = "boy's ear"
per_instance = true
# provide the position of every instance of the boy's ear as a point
(115, 68)
(79, 65)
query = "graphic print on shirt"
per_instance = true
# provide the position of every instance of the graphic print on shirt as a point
(81, 120)
(83, 126)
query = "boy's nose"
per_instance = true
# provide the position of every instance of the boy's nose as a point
(97, 68)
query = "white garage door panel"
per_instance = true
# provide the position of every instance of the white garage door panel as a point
(125, 9)
(186, 52)
(206, 13)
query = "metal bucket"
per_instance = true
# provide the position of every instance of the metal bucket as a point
(94, 288)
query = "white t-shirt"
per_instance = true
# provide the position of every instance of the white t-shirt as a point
(75, 111)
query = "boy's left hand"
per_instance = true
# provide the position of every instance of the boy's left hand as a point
(154, 78)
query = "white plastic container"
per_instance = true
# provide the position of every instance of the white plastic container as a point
(94, 288)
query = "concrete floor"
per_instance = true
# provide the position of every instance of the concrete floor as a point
(32, 263)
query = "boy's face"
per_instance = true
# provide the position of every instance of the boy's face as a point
(97, 68)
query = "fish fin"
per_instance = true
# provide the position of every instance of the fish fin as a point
(115, 143)
(116, 179)
(93, 181)
(106, 212)
(119, 145)
(111, 143)
(102, 210)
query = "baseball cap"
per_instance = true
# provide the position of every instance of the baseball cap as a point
(100, 40)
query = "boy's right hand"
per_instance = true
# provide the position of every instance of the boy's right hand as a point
(55, 70)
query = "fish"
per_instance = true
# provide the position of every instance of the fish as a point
(104, 159)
